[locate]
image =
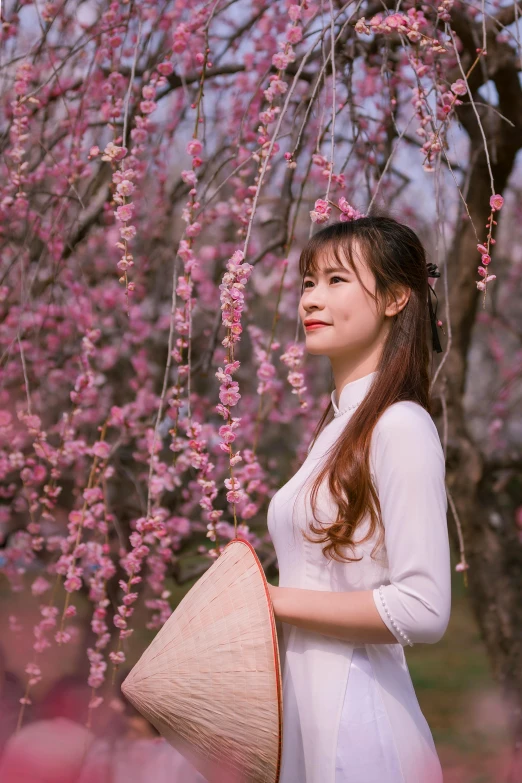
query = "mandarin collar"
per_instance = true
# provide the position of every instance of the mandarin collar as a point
(352, 393)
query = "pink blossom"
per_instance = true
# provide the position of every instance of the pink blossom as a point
(232, 483)
(194, 147)
(226, 433)
(117, 416)
(293, 34)
(180, 38)
(189, 177)
(113, 152)
(348, 212)
(184, 288)
(72, 584)
(376, 20)
(321, 211)
(459, 87)
(295, 378)
(318, 217)
(229, 396)
(40, 586)
(322, 207)
(361, 27)
(127, 233)
(496, 202)
(101, 449)
(165, 68)
(93, 495)
(193, 229)
(394, 21)
(124, 212)
(184, 250)
(147, 107)
(126, 187)
(280, 61)
(236, 496)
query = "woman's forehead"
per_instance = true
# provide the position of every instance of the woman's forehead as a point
(335, 258)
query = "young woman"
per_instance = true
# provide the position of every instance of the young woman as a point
(363, 553)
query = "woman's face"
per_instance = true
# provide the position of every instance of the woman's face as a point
(336, 297)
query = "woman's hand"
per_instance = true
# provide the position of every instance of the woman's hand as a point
(274, 596)
(272, 590)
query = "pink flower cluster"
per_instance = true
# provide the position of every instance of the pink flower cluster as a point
(321, 211)
(410, 24)
(496, 203)
(232, 296)
(347, 211)
(232, 305)
(325, 166)
(21, 108)
(266, 371)
(293, 358)
(132, 564)
(102, 569)
(447, 100)
(282, 59)
(184, 287)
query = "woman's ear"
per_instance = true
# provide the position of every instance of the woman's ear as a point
(397, 300)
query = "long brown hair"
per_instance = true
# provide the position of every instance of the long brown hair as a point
(395, 256)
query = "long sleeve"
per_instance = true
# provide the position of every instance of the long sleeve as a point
(409, 474)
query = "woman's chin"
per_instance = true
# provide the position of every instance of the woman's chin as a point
(315, 350)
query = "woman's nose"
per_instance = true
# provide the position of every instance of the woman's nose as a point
(314, 296)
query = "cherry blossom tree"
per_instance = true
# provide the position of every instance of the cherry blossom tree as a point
(162, 164)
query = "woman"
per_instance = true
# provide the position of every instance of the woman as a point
(363, 553)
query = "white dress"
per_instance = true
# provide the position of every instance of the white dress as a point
(350, 713)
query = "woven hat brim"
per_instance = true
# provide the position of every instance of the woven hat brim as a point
(210, 681)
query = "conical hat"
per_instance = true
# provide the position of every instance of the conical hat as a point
(210, 681)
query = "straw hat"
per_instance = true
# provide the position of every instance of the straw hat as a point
(210, 681)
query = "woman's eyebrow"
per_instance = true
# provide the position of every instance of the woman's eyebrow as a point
(337, 269)
(329, 270)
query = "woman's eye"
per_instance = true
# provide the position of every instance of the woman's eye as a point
(333, 277)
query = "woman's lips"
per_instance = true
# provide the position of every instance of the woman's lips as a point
(315, 326)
